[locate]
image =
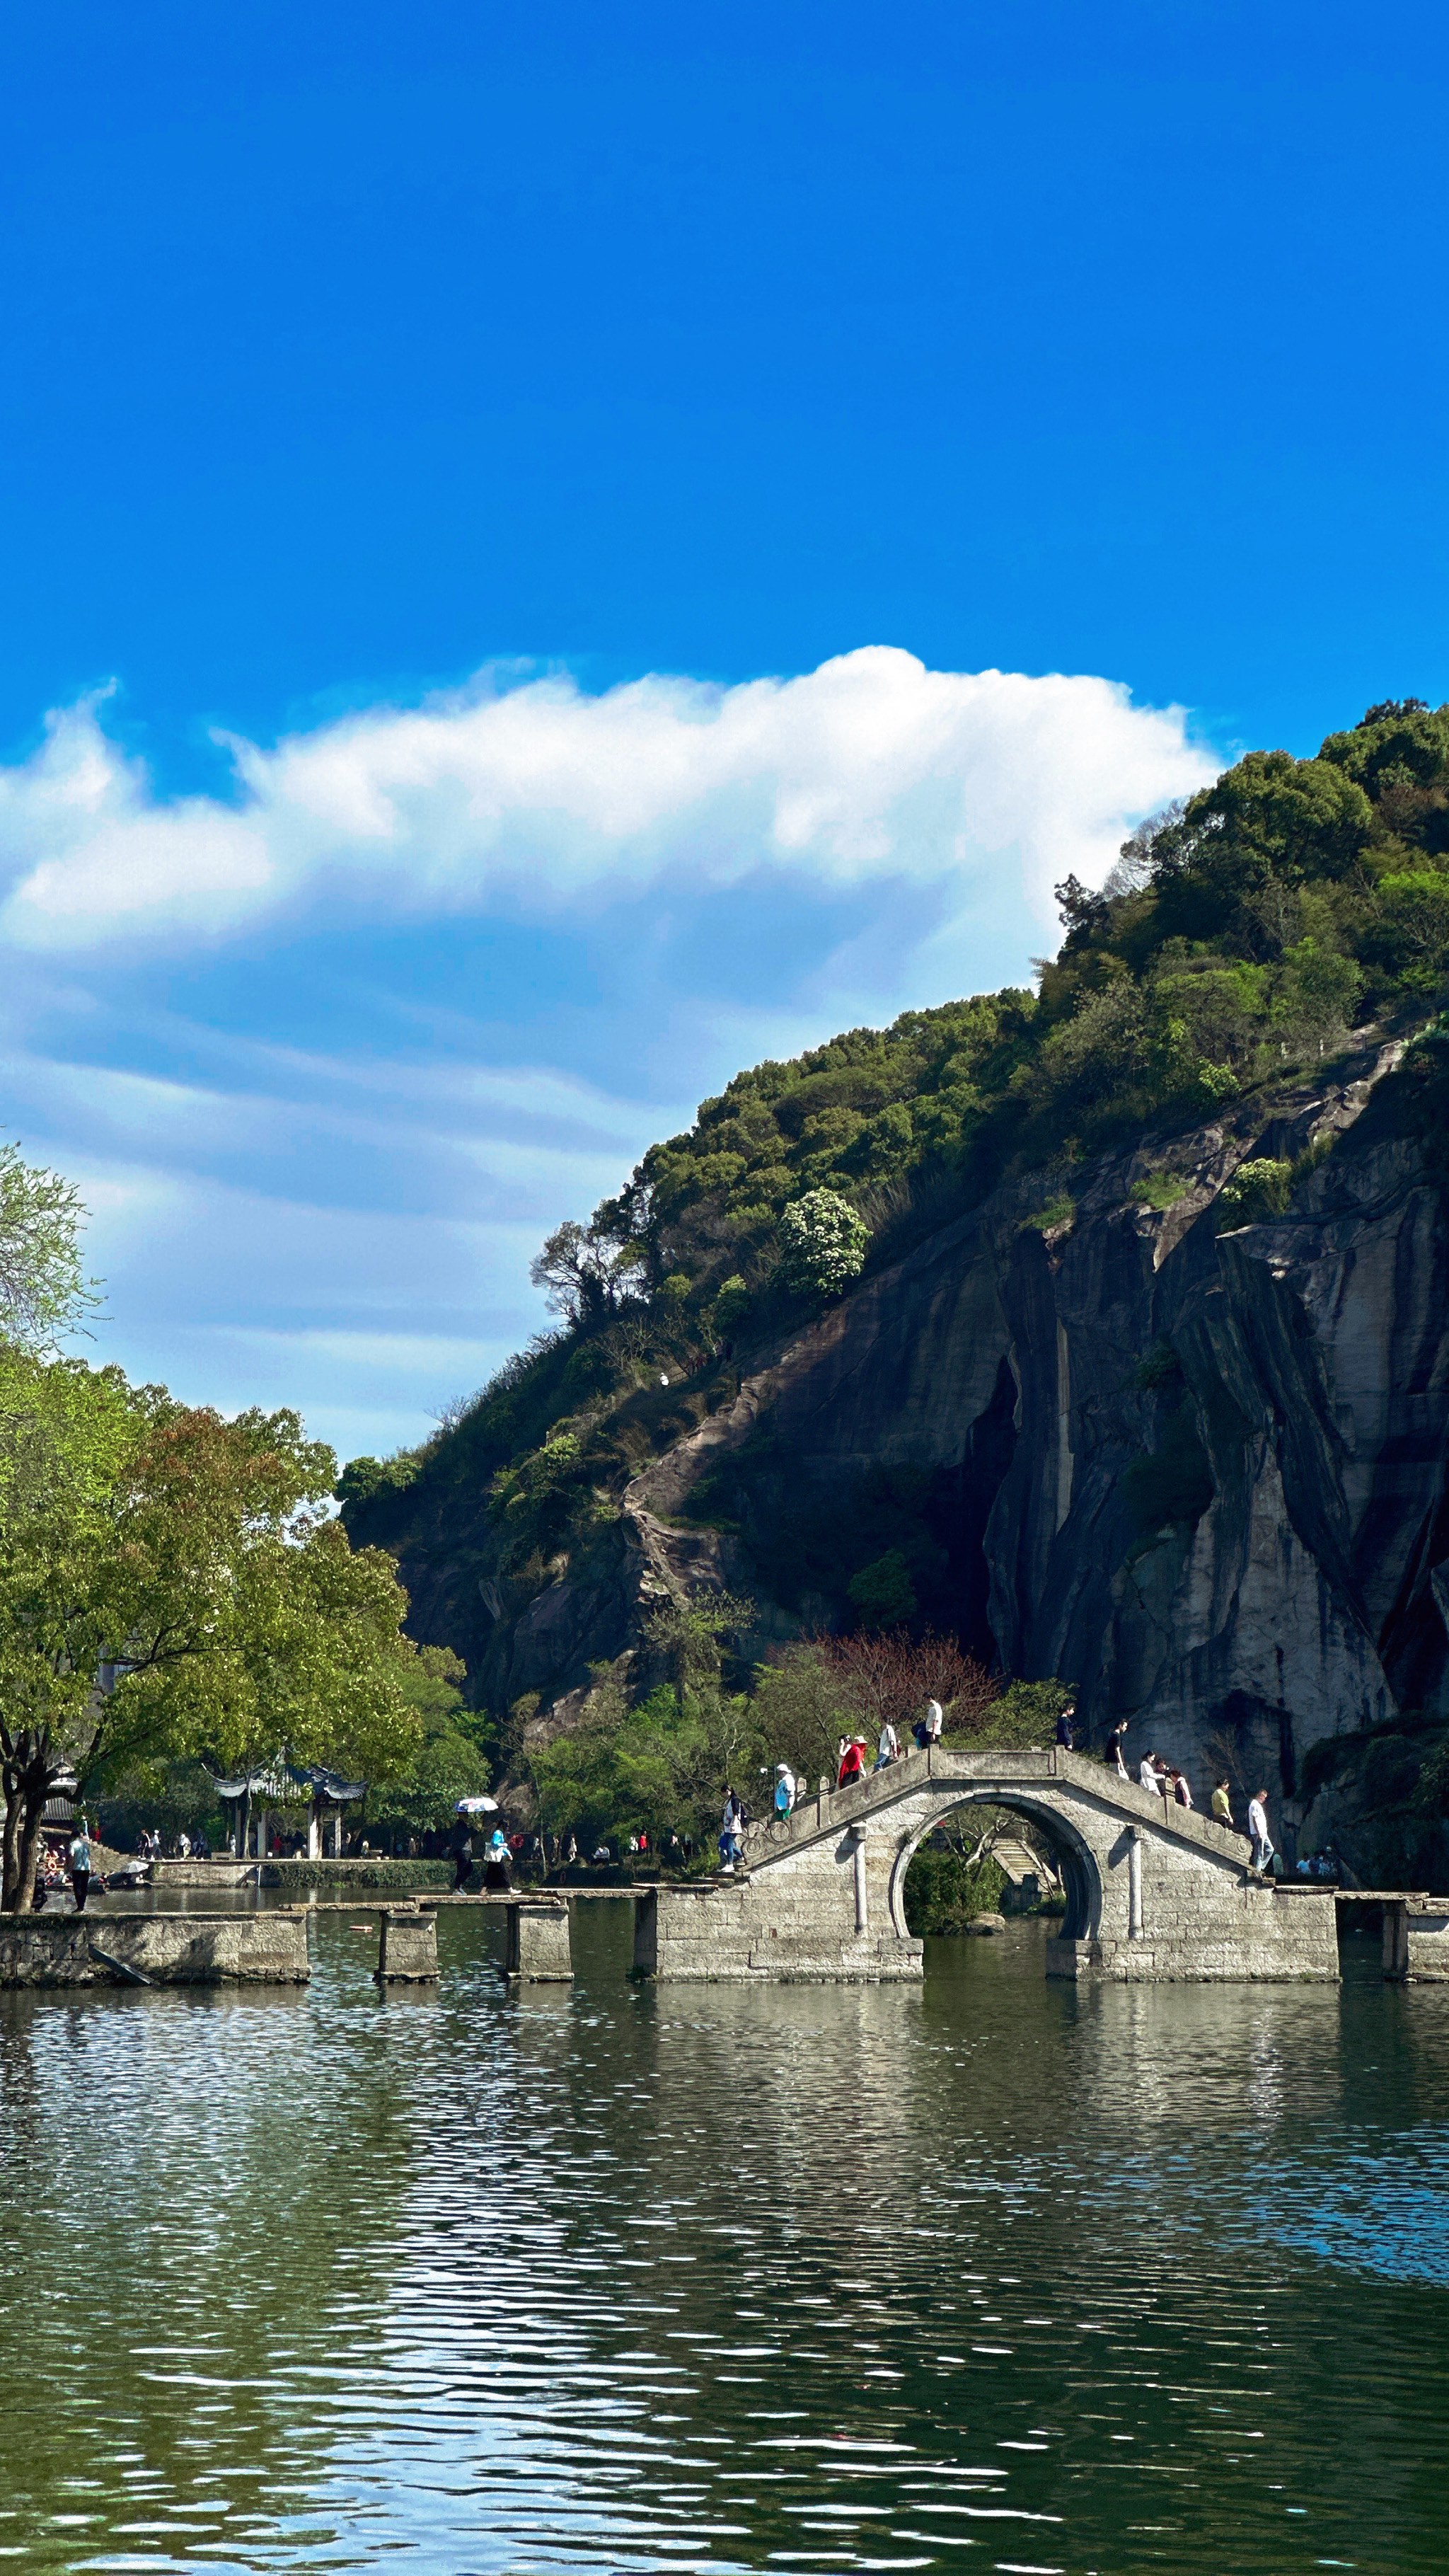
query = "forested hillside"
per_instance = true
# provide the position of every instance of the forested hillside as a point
(1293, 915)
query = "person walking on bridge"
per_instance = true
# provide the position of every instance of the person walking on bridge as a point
(1151, 1774)
(1112, 1751)
(888, 1748)
(1222, 1805)
(1064, 1726)
(786, 1788)
(1262, 1840)
(852, 1761)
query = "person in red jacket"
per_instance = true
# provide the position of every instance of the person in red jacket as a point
(852, 1760)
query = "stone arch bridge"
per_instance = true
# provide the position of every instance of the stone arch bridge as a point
(1154, 1890)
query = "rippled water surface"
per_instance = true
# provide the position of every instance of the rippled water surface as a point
(995, 2274)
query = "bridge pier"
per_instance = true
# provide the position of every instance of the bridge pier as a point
(407, 1947)
(538, 1947)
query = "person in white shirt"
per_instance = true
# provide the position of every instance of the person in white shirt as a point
(887, 1748)
(785, 1790)
(1258, 1829)
(1149, 1774)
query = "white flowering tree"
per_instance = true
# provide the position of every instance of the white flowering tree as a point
(822, 1243)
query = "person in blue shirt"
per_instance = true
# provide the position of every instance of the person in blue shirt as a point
(80, 1866)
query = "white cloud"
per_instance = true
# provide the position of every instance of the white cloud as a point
(538, 797)
(321, 1183)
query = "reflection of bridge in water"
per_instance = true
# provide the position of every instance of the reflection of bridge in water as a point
(1154, 1891)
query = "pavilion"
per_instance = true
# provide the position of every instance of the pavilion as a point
(254, 1794)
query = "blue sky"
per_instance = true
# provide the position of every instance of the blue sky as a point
(390, 392)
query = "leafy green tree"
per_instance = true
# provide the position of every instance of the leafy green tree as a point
(803, 1705)
(1316, 995)
(1271, 820)
(1410, 937)
(823, 1244)
(660, 1767)
(171, 1583)
(363, 1478)
(731, 1304)
(588, 1271)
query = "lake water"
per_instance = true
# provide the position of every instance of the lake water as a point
(993, 2275)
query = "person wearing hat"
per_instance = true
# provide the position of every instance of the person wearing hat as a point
(786, 1788)
(852, 1761)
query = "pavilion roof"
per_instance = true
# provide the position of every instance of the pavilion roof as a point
(276, 1784)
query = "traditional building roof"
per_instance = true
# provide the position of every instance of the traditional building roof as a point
(276, 1785)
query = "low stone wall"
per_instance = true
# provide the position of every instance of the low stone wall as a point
(267, 1949)
(1201, 1929)
(220, 1873)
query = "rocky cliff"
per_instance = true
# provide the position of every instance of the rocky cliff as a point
(1192, 1465)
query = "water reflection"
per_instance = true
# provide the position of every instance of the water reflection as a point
(997, 2273)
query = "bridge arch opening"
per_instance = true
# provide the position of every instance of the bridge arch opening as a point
(1075, 1861)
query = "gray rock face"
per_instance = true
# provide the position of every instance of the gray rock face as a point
(1207, 1466)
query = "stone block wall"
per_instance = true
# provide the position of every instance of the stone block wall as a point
(164, 1949)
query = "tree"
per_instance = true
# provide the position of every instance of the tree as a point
(588, 1271)
(171, 1583)
(1316, 996)
(803, 1705)
(66, 1435)
(659, 1767)
(43, 1289)
(810, 1694)
(822, 1243)
(685, 1636)
(891, 1677)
